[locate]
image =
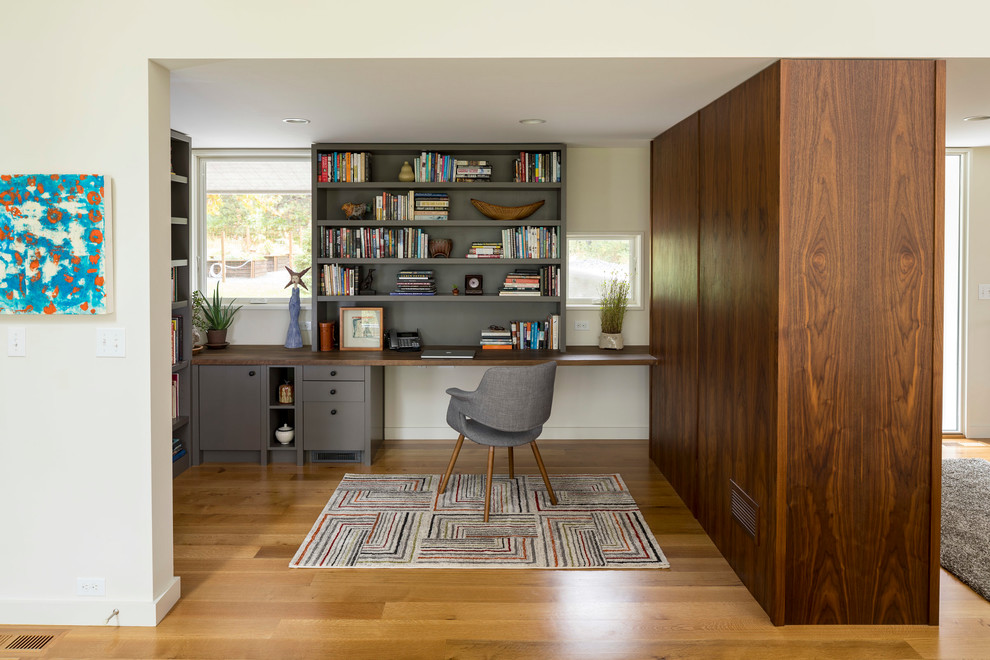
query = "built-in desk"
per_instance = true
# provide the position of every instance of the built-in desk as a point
(338, 406)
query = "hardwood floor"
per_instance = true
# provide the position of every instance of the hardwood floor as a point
(237, 526)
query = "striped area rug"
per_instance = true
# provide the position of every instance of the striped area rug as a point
(400, 521)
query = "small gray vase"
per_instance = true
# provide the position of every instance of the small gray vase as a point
(610, 340)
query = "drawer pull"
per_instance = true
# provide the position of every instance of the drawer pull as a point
(333, 373)
(333, 391)
(250, 373)
(333, 412)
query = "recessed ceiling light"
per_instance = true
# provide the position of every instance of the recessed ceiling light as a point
(295, 120)
(532, 121)
(976, 118)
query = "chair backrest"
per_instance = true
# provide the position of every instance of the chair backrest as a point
(516, 398)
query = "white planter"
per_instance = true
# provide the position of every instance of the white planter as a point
(612, 341)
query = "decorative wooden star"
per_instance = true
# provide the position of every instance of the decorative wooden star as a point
(296, 278)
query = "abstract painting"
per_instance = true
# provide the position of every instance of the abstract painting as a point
(55, 247)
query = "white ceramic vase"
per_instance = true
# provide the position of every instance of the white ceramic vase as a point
(284, 434)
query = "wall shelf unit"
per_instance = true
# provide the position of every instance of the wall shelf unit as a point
(433, 315)
(182, 341)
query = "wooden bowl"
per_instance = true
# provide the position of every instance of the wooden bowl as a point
(496, 212)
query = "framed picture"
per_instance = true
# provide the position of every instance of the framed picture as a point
(361, 328)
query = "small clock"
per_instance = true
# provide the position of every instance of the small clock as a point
(473, 285)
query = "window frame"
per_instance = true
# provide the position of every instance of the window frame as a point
(962, 228)
(637, 284)
(198, 234)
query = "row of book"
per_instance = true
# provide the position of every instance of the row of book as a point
(543, 281)
(175, 283)
(415, 283)
(178, 450)
(176, 339)
(484, 250)
(530, 243)
(531, 335)
(412, 206)
(533, 167)
(344, 166)
(175, 395)
(472, 171)
(337, 280)
(374, 243)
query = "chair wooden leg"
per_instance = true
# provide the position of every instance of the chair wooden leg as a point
(488, 481)
(511, 474)
(543, 471)
(450, 466)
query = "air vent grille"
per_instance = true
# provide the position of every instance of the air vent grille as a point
(744, 510)
(335, 456)
(29, 642)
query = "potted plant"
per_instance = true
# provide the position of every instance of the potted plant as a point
(218, 318)
(615, 299)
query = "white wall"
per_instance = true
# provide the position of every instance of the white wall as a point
(977, 324)
(84, 442)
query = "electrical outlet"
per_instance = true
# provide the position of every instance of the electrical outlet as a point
(110, 342)
(582, 325)
(984, 292)
(91, 586)
(16, 338)
(307, 325)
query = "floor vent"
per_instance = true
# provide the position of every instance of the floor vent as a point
(744, 510)
(335, 456)
(24, 643)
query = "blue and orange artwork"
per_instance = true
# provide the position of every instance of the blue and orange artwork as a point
(55, 244)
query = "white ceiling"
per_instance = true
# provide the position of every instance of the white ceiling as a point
(586, 102)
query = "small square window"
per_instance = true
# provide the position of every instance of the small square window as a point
(591, 258)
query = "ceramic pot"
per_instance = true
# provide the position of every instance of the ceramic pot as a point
(440, 247)
(406, 172)
(284, 434)
(609, 340)
(216, 337)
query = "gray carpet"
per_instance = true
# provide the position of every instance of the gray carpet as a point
(966, 521)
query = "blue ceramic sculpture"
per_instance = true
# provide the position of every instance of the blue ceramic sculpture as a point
(293, 338)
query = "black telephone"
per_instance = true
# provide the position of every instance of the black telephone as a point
(404, 341)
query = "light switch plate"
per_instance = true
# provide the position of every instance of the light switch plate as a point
(16, 341)
(110, 342)
(984, 292)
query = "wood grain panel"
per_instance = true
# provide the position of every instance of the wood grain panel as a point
(738, 282)
(674, 308)
(857, 330)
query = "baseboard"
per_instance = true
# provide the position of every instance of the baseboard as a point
(554, 433)
(978, 432)
(90, 611)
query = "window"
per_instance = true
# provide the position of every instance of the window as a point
(254, 221)
(955, 215)
(591, 258)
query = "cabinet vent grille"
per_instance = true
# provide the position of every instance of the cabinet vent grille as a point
(335, 456)
(744, 510)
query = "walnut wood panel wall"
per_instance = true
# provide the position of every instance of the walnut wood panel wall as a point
(674, 332)
(819, 329)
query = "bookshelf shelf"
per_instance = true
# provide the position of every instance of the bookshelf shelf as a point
(376, 167)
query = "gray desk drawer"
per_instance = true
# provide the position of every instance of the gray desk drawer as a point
(318, 390)
(332, 373)
(333, 426)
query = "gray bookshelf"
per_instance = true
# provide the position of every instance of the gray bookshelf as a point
(443, 319)
(181, 162)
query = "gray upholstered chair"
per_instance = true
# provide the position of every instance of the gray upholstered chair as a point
(508, 409)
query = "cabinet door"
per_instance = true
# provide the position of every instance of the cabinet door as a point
(230, 407)
(334, 426)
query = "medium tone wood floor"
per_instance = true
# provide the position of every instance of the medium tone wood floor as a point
(237, 526)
